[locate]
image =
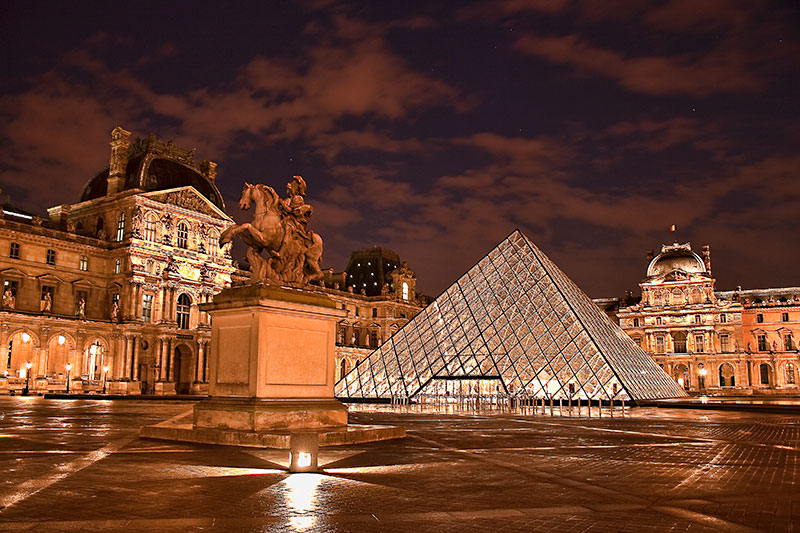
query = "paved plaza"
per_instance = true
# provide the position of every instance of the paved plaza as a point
(79, 465)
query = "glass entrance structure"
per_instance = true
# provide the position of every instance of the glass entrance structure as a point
(514, 317)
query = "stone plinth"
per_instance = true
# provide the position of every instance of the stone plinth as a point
(271, 373)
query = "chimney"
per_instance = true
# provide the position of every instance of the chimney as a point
(650, 255)
(707, 257)
(209, 170)
(120, 144)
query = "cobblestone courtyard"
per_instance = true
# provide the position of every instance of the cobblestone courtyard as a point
(78, 465)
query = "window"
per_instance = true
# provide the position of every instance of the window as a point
(405, 291)
(697, 297)
(150, 225)
(760, 318)
(764, 371)
(147, 308)
(762, 342)
(374, 312)
(657, 298)
(13, 286)
(50, 257)
(727, 375)
(660, 344)
(636, 322)
(213, 243)
(121, 226)
(183, 308)
(723, 318)
(14, 251)
(183, 236)
(787, 342)
(698, 319)
(638, 340)
(84, 263)
(725, 343)
(784, 317)
(658, 320)
(790, 377)
(677, 297)
(679, 338)
(699, 342)
(117, 266)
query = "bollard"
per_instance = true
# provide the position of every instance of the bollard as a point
(561, 407)
(600, 408)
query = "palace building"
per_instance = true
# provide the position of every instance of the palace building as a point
(103, 294)
(724, 342)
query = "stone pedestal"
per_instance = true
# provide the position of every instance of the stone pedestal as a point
(271, 373)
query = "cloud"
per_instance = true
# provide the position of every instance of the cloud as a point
(718, 71)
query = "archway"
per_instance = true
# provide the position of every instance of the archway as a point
(183, 369)
(681, 374)
(59, 348)
(727, 377)
(95, 357)
(21, 350)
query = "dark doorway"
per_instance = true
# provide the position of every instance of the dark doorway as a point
(182, 369)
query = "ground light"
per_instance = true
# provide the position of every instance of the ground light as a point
(303, 452)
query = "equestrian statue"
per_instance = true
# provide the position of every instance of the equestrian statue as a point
(279, 228)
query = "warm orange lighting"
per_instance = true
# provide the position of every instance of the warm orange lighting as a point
(61, 340)
(69, 366)
(303, 458)
(105, 368)
(703, 372)
(25, 336)
(28, 365)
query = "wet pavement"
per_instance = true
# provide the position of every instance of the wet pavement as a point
(79, 465)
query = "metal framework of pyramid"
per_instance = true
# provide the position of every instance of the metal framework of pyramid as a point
(517, 318)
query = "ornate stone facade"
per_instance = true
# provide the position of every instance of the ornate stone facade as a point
(106, 290)
(730, 342)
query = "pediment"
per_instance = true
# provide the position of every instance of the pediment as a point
(51, 278)
(83, 283)
(13, 273)
(187, 198)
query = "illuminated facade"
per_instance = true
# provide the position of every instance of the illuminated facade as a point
(518, 323)
(104, 293)
(712, 341)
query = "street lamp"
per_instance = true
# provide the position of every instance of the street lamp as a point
(28, 366)
(105, 371)
(702, 373)
(69, 367)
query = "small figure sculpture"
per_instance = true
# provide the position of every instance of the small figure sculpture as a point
(114, 313)
(279, 227)
(47, 303)
(136, 222)
(80, 309)
(9, 301)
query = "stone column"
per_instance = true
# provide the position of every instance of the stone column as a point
(198, 365)
(160, 363)
(126, 361)
(3, 351)
(135, 360)
(168, 360)
(205, 362)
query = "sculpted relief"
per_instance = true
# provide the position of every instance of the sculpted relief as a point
(280, 230)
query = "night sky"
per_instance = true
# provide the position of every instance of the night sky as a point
(437, 128)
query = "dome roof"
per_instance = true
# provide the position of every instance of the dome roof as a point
(152, 166)
(676, 257)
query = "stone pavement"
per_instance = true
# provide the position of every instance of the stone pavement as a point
(78, 465)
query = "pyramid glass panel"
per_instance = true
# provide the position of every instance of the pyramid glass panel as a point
(516, 320)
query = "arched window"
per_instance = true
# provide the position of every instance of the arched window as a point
(790, 374)
(150, 225)
(727, 377)
(182, 312)
(764, 371)
(121, 226)
(636, 322)
(213, 243)
(183, 235)
(677, 297)
(343, 368)
(657, 298)
(697, 297)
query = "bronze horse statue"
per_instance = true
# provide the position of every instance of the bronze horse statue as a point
(294, 252)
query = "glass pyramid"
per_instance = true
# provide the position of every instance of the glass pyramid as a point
(514, 317)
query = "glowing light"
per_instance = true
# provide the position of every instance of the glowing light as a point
(68, 366)
(303, 458)
(703, 372)
(105, 368)
(680, 382)
(25, 336)
(28, 365)
(93, 349)
(61, 340)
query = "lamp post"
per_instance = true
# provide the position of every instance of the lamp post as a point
(28, 366)
(105, 371)
(702, 373)
(69, 367)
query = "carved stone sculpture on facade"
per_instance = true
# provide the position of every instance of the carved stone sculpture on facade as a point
(279, 228)
(9, 302)
(47, 303)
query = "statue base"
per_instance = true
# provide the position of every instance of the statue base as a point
(271, 374)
